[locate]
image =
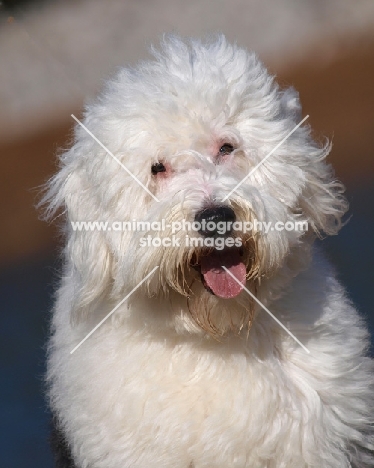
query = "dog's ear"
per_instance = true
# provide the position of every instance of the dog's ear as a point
(88, 260)
(322, 201)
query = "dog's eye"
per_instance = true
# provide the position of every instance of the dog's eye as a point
(226, 149)
(158, 167)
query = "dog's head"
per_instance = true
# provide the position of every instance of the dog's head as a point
(204, 152)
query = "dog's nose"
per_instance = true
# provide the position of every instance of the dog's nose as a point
(211, 221)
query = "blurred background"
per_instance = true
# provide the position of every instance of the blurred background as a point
(56, 54)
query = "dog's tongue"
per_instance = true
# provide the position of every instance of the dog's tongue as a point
(219, 280)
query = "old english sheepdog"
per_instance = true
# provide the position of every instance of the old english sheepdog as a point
(195, 325)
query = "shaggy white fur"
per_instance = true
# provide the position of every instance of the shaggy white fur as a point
(181, 375)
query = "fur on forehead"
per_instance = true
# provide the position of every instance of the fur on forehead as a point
(189, 88)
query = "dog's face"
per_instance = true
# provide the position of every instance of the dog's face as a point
(188, 128)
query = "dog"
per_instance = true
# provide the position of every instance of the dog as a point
(203, 340)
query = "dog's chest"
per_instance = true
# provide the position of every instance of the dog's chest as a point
(186, 397)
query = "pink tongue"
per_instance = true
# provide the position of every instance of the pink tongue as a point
(219, 280)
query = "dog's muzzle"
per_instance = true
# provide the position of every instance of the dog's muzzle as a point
(217, 267)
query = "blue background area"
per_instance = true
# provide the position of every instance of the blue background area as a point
(26, 297)
(26, 293)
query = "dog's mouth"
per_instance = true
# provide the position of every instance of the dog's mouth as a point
(218, 270)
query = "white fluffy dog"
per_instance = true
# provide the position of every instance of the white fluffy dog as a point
(190, 370)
